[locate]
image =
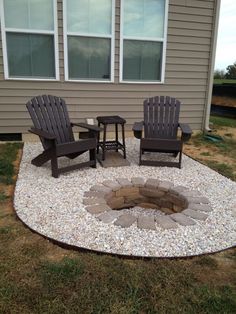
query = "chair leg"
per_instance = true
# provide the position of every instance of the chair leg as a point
(54, 166)
(41, 159)
(140, 155)
(180, 159)
(92, 157)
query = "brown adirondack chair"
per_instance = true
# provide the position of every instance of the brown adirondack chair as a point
(52, 124)
(161, 123)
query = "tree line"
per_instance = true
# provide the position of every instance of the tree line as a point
(230, 72)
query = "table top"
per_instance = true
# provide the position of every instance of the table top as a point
(111, 120)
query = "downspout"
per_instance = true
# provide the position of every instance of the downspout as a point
(211, 67)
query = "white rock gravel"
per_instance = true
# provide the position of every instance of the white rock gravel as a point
(54, 208)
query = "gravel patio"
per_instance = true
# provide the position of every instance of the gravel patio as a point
(55, 208)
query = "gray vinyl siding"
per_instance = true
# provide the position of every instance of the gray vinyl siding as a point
(189, 43)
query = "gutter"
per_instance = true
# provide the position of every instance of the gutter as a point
(212, 67)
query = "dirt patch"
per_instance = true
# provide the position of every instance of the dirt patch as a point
(223, 101)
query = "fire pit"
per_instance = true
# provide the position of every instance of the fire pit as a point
(170, 205)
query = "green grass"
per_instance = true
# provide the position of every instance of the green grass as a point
(8, 153)
(224, 169)
(221, 81)
(3, 196)
(223, 122)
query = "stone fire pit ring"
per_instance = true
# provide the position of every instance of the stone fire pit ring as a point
(171, 205)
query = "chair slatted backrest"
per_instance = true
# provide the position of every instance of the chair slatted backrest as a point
(49, 113)
(161, 117)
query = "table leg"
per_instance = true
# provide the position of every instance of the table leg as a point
(123, 139)
(116, 137)
(104, 142)
(98, 139)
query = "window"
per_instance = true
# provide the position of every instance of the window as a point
(29, 37)
(143, 40)
(89, 40)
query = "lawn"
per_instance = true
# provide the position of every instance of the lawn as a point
(37, 276)
(222, 81)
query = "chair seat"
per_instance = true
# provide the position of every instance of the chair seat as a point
(165, 145)
(77, 146)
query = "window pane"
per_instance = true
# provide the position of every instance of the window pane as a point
(30, 55)
(89, 16)
(144, 18)
(142, 60)
(29, 14)
(89, 58)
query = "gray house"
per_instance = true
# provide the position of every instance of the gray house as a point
(105, 56)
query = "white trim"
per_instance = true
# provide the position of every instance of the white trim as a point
(163, 40)
(154, 39)
(31, 79)
(29, 31)
(89, 81)
(78, 34)
(56, 44)
(207, 110)
(4, 43)
(94, 35)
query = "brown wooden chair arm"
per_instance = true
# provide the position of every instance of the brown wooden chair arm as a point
(88, 126)
(138, 129)
(41, 133)
(186, 131)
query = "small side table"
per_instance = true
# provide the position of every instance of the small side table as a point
(111, 145)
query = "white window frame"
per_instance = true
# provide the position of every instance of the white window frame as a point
(82, 34)
(28, 31)
(151, 39)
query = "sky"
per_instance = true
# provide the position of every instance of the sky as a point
(226, 43)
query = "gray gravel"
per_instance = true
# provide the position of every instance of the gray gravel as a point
(54, 208)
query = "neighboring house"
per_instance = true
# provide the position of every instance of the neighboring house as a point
(105, 56)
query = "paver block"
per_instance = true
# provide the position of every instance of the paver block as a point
(100, 188)
(148, 205)
(197, 200)
(93, 201)
(177, 189)
(195, 214)
(97, 209)
(191, 193)
(167, 210)
(152, 183)
(166, 222)
(146, 222)
(114, 185)
(182, 219)
(93, 194)
(109, 216)
(165, 186)
(200, 207)
(138, 181)
(127, 191)
(116, 202)
(150, 192)
(125, 220)
(124, 182)
(177, 200)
